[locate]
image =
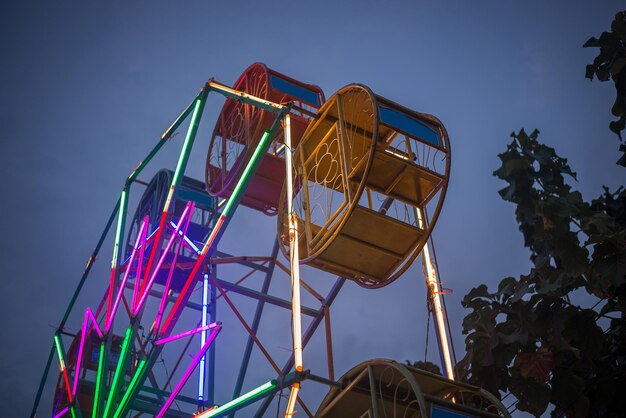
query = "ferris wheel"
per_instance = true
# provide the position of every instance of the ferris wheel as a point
(358, 183)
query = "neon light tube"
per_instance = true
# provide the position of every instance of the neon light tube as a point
(246, 172)
(186, 238)
(186, 333)
(96, 396)
(109, 322)
(116, 247)
(183, 153)
(63, 412)
(237, 402)
(144, 296)
(118, 230)
(190, 207)
(439, 313)
(205, 304)
(227, 91)
(140, 263)
(293, 252)
(79, 358)
(117, 377)
(130, 390)
(433, 284)
(188, 372)
(83, 337)
(180, 166)
(293, 397)
(57, 344)
(62, 366)
(172, 317)
(89, 313)
(216, 232)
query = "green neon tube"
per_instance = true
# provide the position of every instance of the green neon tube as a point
(117, 379)
(131, 389)
(261, 390)
(190, 132)
(57, 344)
(246, 172)
(182, 158)
(96, 396)
(118, 230)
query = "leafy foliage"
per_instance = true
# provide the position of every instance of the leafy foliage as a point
(610, 64)
(527, 337)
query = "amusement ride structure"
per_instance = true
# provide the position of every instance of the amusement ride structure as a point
(357, 183)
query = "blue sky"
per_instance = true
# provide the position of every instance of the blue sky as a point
(88, 87)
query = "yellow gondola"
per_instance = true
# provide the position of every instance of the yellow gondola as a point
(370, 172)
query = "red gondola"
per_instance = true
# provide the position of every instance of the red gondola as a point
(240, 127)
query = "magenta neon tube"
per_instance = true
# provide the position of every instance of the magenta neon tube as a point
(63, 412)
(140, 263)
(190, 206)
(186, 333)
(189, 370)
(83, 336)
(144, 296)
(123, 284)
(91, 316)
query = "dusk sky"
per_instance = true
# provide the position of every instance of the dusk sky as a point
(88, 88)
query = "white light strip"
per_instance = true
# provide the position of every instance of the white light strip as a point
(433, 285)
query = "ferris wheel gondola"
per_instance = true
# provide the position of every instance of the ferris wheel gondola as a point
(370, 170)
(240, 127)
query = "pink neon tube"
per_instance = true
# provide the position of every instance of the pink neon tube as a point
(189, 370)
(91, 316)
(186, 333)
(63, 412)
(144, 296)
(157, 322)
(140, 263)
(126, 273)
(184, 293)
(83, 337)
(157, 240)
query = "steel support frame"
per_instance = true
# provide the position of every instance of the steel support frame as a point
(255, 326)
(317, 320)
(121, 209)
(120, 212)
(208, 250)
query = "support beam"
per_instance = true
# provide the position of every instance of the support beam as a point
(255, 294)
(42, 382)
(221, 225)
(334, 291)
(437, 307)
(243, 400)
(255, 326)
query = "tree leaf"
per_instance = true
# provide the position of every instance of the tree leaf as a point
(537, 365)
(533, 396)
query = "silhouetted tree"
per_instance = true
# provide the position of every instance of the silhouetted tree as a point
(527, 337)
(611, 64)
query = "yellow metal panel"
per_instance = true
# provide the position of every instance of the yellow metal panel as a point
(382, 231)
(400, 179)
